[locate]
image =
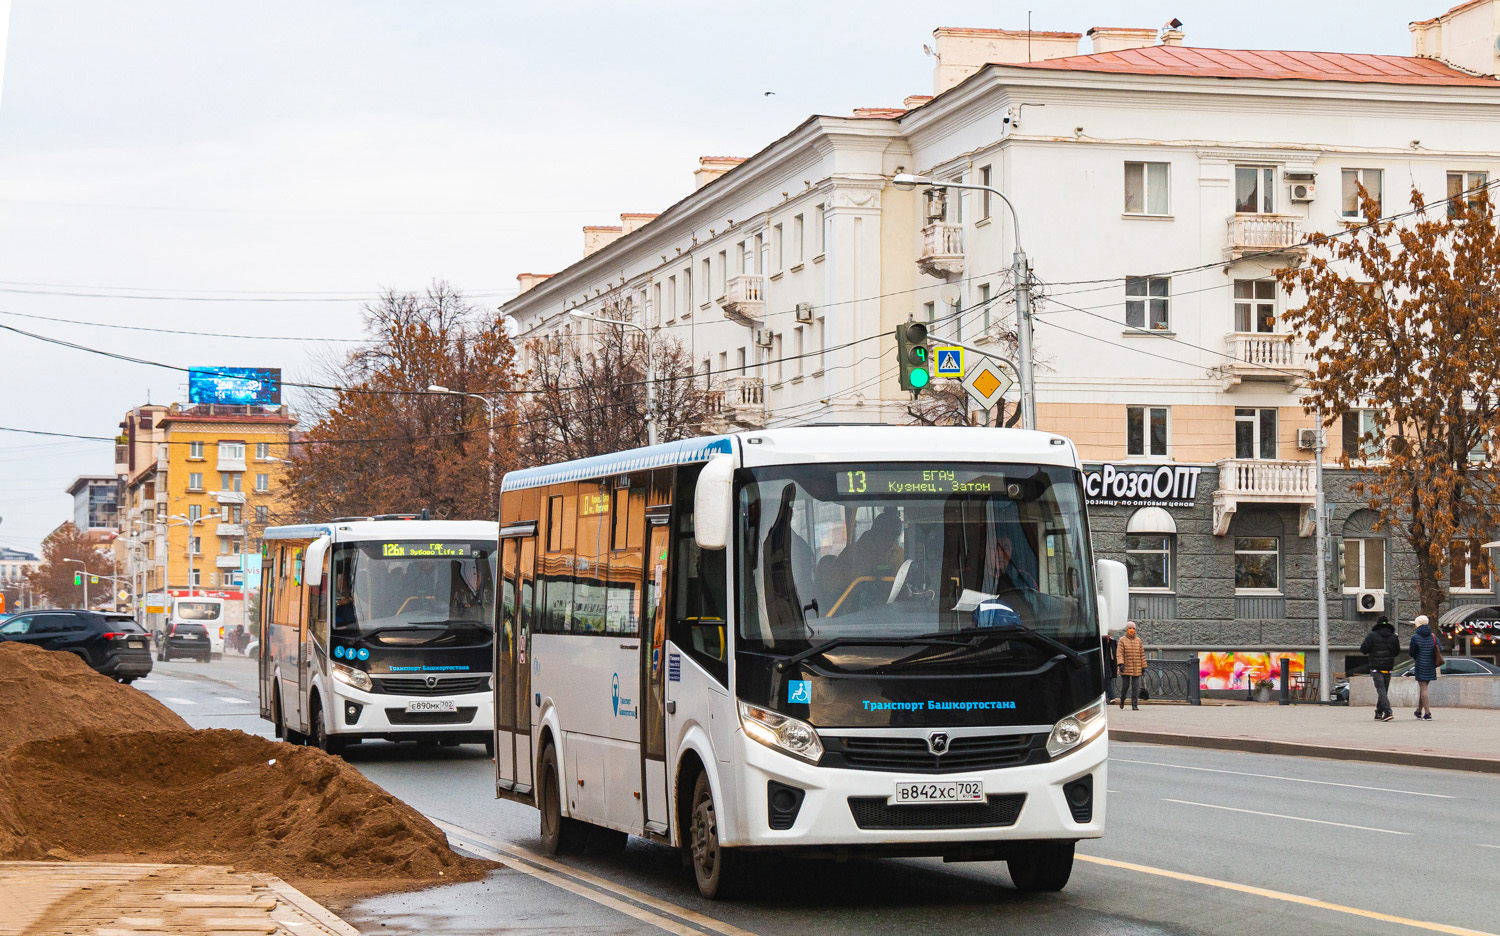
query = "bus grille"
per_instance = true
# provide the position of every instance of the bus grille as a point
(463, 716)
(872, 812)
(973, 752)
(417, 685)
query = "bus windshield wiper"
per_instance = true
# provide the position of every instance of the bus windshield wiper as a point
(1020, 630)
(851, 641)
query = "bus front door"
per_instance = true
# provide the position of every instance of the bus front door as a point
(654, 682)
(512, 668)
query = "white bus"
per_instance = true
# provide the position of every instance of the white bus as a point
(877, 639)
(378, 628)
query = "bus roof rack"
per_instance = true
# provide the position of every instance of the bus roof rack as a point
(348, 519)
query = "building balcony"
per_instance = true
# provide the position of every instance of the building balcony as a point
(230, 529)
(230, 464)
(229, 497)
(1264, 356)
(1264, 233)
(942, 249)
(227, 560)
(740, 403)
(1265, 481)
(744, 298)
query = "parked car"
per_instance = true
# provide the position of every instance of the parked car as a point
(185, 638)
(1453, 666)
(113, 644)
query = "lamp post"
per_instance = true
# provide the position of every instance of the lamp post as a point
(490, 409)
(189, 522)
(650, 368)
(84, 578)
(1020, 272)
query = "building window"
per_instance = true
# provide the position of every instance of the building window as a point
(822, 345)
(195, 450)
(195, 511)
(1470, 568)
(1146, 430)
(232, 451)
(708, 275)
(1257, 563)
(195, 481)
(195, 545)
(984, 304)
(671, 293)
(797, 235)
(780, 360)
(723, 272)
(262, 451)
(656, 300)
(986, 174)
(1353, 179)
(1255, 305)
(825, 228)
(1364, 564)
(798, 348)
(1147, 301)
(1255, 433)
(1362, 437)
(1254, 190)
(262, 483)
(1148, 558)
(929, 312)
(262, 513)
(739, 360)
(230, 480)
(196, 578)
(1461, 182)
(1146, 188)
(778, 249)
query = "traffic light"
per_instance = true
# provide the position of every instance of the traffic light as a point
(77, 578)
(913, 356)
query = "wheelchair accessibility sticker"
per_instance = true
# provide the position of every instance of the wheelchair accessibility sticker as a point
(799, 691)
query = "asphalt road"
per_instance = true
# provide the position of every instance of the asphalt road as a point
(1199, 842)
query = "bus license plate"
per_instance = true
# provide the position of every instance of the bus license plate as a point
(950, 791)
(432, 705)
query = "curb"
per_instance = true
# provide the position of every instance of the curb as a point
(1298, 749)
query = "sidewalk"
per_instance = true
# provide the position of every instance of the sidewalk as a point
(42, 897)
(1456, 739)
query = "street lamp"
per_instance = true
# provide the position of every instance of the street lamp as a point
(490, 408)
(1020, 271)
(84, 578)
(190, 522)
(650, 367)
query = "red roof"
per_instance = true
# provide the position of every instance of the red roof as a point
(1192, 62)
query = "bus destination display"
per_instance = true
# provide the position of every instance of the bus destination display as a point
(423, 550)
(916, 481)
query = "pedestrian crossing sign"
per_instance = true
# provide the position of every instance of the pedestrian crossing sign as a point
(950, 361)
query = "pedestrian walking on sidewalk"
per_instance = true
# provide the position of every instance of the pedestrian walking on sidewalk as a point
(1130, 656)
(1427, 656)
(1382, 647)
(1111, 668)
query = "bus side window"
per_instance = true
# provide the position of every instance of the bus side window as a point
(698, 588)
(318, 595)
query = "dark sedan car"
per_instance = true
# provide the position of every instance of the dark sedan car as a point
(113, 644)
(185, 639)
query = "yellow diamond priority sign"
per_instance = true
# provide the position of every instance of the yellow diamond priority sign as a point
(986, 383)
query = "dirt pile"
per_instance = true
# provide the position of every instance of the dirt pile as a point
(109, 773)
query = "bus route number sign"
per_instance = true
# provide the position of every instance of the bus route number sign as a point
(422, 550)
(914, 481)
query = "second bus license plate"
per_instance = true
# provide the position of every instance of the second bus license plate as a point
(432, 705)
(943, 791)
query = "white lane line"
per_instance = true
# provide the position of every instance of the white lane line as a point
(1241, 773)
(1256, 812)
(572, 879)
(1483, 845)
(225, 698)
(180, 701)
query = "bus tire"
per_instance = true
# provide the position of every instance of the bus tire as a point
(320, 737)
(1042, 867)
(719, 871)
(560, 834)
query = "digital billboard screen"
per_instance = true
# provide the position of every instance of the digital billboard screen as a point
(238, 386)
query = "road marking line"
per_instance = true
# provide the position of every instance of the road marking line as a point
(180, 701)
(1283, 895)
(1241, 773)
(547, 869)
(225, 698)
(1483, 845)
(1256, 812)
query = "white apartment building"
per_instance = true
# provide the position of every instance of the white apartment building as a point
(1157, 187)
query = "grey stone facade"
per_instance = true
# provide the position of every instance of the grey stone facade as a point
(1203, 612)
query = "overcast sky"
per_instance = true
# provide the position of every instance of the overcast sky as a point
(188, 148)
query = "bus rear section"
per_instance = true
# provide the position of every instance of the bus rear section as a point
(379, 629)
(200, 609)
(808, 640)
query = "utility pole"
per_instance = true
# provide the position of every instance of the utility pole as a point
(1322, 547)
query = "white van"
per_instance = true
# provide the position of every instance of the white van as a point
(200, 609)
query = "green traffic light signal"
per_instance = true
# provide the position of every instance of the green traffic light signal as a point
(912, 356)
(77, 578)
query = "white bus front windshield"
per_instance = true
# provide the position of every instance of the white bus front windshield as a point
(198, 610)
(902, 549)
(407, 586)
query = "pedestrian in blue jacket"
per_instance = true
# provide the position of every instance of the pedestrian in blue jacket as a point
(1424, 651)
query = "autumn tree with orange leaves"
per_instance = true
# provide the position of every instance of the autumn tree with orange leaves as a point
(1404, 318)
(382, 443)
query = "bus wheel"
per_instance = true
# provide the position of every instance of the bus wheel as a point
(718, 870)
(560, 834)
(1043, 866)
(320, 738)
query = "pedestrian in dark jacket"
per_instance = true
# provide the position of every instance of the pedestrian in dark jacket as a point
(1382, 647)
(1424, 653)
(1111, 668)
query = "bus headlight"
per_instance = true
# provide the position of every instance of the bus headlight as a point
(1076, 730)
(782, 732)
(350, 676)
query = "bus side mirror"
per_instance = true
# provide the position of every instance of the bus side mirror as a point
(312, 563)
(1114, 595)
(712, 503)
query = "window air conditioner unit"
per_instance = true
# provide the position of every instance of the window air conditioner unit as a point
(1307, 439)
(1303, 191)
(804, 311)
(1370, 602)
(764, 337)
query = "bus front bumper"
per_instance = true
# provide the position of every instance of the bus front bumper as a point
(847, 808)
(380, 714)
